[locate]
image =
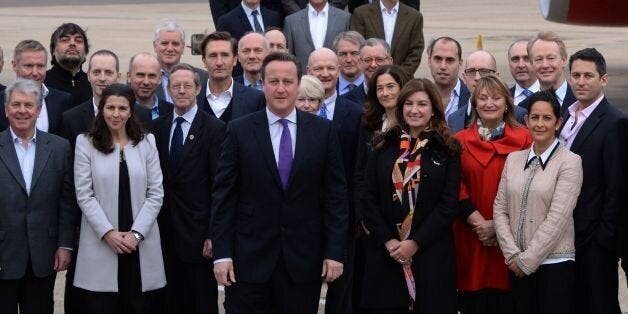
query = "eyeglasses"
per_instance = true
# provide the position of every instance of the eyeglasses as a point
(186, 86)
(378, 61)
(483, 72)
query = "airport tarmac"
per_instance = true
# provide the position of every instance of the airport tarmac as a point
(126, 27)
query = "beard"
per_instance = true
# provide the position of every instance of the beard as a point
(70, 62)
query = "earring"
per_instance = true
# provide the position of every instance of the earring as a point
(432, 114)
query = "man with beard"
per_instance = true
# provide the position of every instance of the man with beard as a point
(68, 48)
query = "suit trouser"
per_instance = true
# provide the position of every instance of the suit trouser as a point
(279, 295)
(596, 280)
(191, 287)
(33, 295)
(339, 292)
(550, 290)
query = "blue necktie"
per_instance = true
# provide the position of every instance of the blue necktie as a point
(176, 143)
(256, 25)
(527, 92)
(285, 154)
(323, 111)
(155, 112)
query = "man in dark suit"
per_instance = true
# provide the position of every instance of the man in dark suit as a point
(249, 16)
(347, 47)
(68, 48)
(596, 131)
(374, 53)
(346, 117)
(522, 72)
(37, 204)
(549, 57)
(29, 62)
(279, 220)
(352, 4)
(315, 26)
(252, 49)
(221, 96)
(169, 44)
(445, 60)
(401, 27)
(188, 165)
(144, 77)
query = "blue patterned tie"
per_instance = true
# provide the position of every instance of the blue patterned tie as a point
(258, 27)
(323, 111)
(176, 143)
(527, 92)
(285, 154)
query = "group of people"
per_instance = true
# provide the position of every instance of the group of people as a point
(322, 160)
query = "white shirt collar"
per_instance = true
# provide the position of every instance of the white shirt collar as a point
(313, 11)
(545, 156)
(229, 90)
(44, 91)
(188, 116)
(533, 88)
(248, 11)
(457, 88)
(561, 92)
(273, 118)
(588, 110)
(394, 10)
(95, 106)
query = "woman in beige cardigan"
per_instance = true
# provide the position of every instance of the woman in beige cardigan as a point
(533, 214)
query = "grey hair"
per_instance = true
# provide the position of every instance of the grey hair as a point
(169, 26)
(374, 42)
(350, 36)
(23, 86)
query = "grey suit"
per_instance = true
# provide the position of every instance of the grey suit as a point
(297, 30)
(33, 226)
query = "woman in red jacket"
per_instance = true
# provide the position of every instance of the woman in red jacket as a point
(483, 284)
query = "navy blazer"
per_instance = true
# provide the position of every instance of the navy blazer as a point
(256, 222)
(184, 217)
(244, 100)
(458, 120)
(237, 23)
(56, 103)
(357, 95)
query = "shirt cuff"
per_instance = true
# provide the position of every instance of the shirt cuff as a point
(223, 260)
(66, 248)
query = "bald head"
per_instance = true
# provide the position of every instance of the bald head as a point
(252, 49)
(144, 77)
(479, 63)
(323, 63)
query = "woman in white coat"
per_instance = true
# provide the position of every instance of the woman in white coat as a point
(119, 190)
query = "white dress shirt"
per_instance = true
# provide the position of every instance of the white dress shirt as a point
(95, 106)
(454, 95)
(575, 121)
(519, 96)
(26, 157)
(220, 102)
(42, 123)
(275, 128)
(185, 125)
(318, 24)
(561, 92)
(330, 104)
(389, 18)
(249, 15)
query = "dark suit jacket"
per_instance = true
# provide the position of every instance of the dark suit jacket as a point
(237, 23)
(221, 7)
(601, 145)
(437, 203)
(184, 216)
(407, 42)
(297, 30)
(357, 95)
(245, 100)
(79, 120)
(163, 107)
(458, 120)
(2, 88)
(34, 225)
(352, 4)
(56, 103)
(256, 222)
(568, 101)
(201, 73)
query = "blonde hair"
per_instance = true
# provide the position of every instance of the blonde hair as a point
(312, 87)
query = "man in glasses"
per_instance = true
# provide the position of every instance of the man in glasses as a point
(374, 53)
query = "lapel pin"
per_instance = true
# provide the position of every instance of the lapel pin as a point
(191, 136)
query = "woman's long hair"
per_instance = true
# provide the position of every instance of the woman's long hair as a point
(100, 133)
(373, 112)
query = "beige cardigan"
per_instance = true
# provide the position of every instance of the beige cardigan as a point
(540, 226)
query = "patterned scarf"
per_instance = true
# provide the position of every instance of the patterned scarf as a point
(487, 134)
(408, 181)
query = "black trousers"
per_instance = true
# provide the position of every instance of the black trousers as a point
(550, 290)
(31, 294)
(191, 288)
(280, 295)
(339, 299)
(596, 280)
(486, 301)
(71, 295)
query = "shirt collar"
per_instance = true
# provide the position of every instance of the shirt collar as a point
(155, 102)
(19, 140)
(95, 106)
(313, 11)
(533, 88)
(394, 10)
(247, 83)
(248, 11)
(457, 88)
(561, 92)
(545, 156)
(588, 110)
(331, 99)
(273, 118)
(343, 83)
(44, 91)
(229, 90)
(188, 116)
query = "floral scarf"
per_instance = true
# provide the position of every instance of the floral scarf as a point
(487, 134)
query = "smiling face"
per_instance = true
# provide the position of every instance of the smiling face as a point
(542, 123)
(323, 64)
(22, 111)
(102, 73)
(116, 112)
(417, 112)
(144, 77)
(490, 107)
(548, 63)
(252, 50)
(372, 57)
(387, 90)
(31, 65)
(169, 48)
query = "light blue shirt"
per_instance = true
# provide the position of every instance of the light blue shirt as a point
(26, 157)
(343, 84)
(185, 125)
(330, 104)
(155, 108)
(164, 84)
(259, 85)
(275, 128)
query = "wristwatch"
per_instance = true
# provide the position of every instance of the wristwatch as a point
(138, 236)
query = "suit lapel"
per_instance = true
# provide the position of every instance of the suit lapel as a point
(376, 18)
(306, 27)
(42, 152)
(589, 125)
(400, 26)
(262, 135)
(300, 149)
(330, 34)
(244, 20)
(194, 136)
(88, 115)
(9, 157)
(340, 112)
(164, 143)
(237, 98)
(54, 109)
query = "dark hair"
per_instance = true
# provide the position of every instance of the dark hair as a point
(444, 39)
(373, 111)
(494, 84)
(590, 54)
(219, 36)
(100, 134)
(280, 56)
(438, 121)
(63, 30)
(104, 52)
(548, 96)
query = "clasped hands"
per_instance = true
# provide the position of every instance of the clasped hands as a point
(121, 242)
(484, 229)
(401, 251)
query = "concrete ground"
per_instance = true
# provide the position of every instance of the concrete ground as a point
(125, 26)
